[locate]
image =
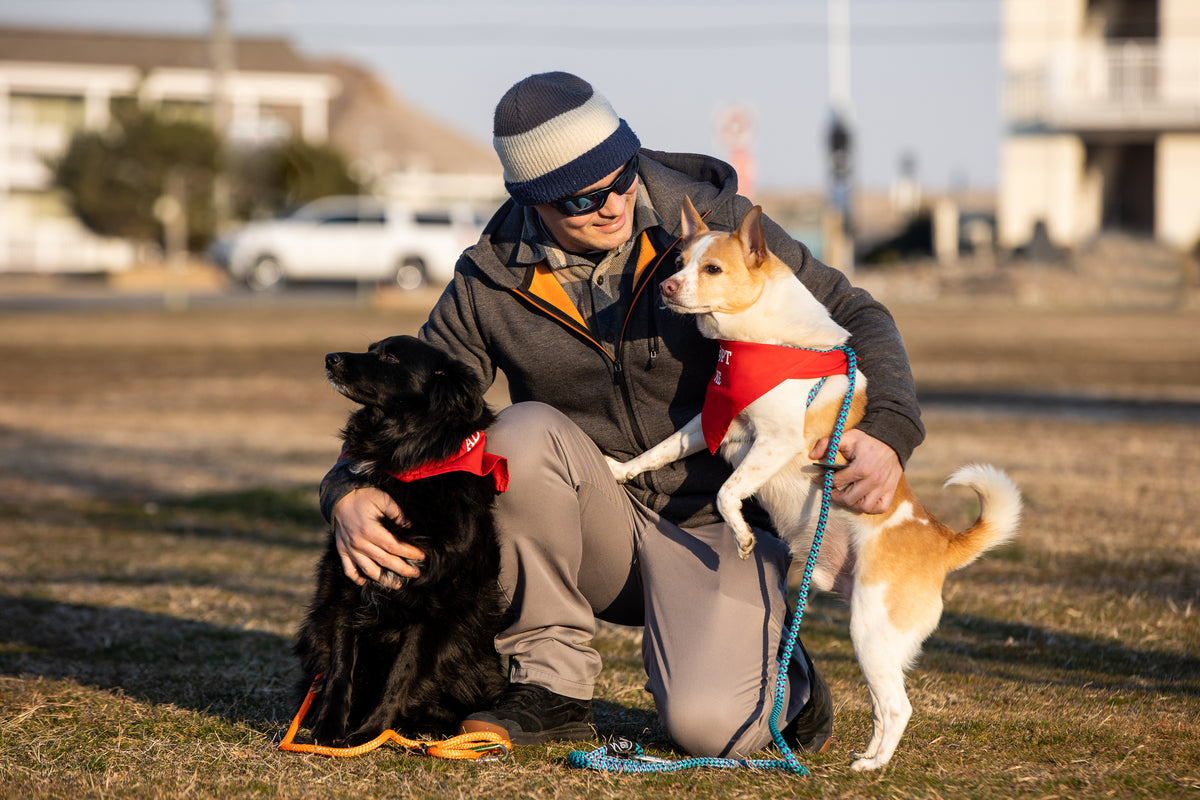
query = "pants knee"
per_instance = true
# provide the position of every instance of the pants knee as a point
(521, 429)
(710, 729)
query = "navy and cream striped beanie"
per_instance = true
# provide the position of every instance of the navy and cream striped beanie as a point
(556, 136)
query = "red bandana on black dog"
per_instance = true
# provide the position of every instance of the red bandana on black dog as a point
(469, 458)
(748, 370)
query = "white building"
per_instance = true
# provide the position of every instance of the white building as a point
(54, 83)
(1103, 115)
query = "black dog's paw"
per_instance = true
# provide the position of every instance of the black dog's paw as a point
(332, 718)
(361, 736)
(328, 735)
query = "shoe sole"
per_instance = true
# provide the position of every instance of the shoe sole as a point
(571, 732)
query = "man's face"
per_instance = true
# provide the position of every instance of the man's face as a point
(606, 228)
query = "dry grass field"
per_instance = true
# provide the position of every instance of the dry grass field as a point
(157, 482)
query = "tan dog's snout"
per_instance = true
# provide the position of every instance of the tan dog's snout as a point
(669, 287)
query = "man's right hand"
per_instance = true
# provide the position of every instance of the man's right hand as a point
(368, 549)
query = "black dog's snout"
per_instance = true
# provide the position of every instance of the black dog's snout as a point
(333, 360)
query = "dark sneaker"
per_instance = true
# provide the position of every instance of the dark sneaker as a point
(529, 714)
(812, 729)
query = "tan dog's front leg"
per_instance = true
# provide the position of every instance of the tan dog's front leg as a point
(685, 441)
(763, 462)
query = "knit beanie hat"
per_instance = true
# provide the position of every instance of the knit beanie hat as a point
(556, 136)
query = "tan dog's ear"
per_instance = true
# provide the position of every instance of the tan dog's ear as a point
(690, 221)
(750, 234)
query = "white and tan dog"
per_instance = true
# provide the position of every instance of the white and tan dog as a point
(889, 566)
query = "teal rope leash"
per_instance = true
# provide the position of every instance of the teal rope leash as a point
(623, 755)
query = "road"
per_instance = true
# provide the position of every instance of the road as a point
(23, 293)
(57, 294)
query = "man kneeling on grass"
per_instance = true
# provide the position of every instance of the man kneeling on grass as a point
(560, 294)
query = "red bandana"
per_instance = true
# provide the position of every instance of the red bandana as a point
(748, 370)
(469, 458)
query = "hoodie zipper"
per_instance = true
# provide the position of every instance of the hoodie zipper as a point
(617, 358)
(619, 377)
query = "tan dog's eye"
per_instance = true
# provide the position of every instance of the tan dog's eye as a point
(679, 260)
(712, 269)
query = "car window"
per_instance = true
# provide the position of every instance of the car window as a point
(339, 211)
(432, 218)
(338, 219)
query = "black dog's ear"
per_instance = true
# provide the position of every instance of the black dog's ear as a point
(455, 393)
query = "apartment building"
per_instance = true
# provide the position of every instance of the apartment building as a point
(1102, 107)
(54, 83)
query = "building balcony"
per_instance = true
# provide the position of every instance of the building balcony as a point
(1126, 86)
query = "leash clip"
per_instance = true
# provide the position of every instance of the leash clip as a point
(492, 752)
(630, 750)
(623, 748)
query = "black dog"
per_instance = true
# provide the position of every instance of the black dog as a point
(421, 657)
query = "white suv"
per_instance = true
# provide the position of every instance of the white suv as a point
(349, 238)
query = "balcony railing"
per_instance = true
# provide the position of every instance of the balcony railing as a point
(1126, 85)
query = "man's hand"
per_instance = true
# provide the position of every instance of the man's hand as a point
(368, 550)
(868, 482)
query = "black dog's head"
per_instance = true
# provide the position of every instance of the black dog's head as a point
(418, 403)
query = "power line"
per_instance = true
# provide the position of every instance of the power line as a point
(736, 36)
(746, 32)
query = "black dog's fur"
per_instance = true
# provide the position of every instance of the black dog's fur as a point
(419, 658)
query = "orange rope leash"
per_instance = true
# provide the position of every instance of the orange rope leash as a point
(472, 746)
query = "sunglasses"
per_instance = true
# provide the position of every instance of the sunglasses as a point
(582, 204)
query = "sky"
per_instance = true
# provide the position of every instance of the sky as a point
(923, 75)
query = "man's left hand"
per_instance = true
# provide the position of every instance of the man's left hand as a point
(868, 482)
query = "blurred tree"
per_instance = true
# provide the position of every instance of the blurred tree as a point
(114, 178)
(273, 179)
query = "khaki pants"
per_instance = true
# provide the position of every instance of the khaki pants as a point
(575, 546)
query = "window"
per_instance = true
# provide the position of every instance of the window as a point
(61, 111)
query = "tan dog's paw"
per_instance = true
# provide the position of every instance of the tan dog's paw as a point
(729, 506)
(867, 764)
(619, 471)
(746, 546)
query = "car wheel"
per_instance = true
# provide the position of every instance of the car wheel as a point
(265, 275)
(410, 274)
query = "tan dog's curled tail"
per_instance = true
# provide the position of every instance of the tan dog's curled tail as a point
(999, 513)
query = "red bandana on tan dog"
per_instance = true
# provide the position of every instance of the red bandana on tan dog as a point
(748, 370)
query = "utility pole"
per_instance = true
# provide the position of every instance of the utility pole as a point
(171, 210)
(220, 55)
(840, 136)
